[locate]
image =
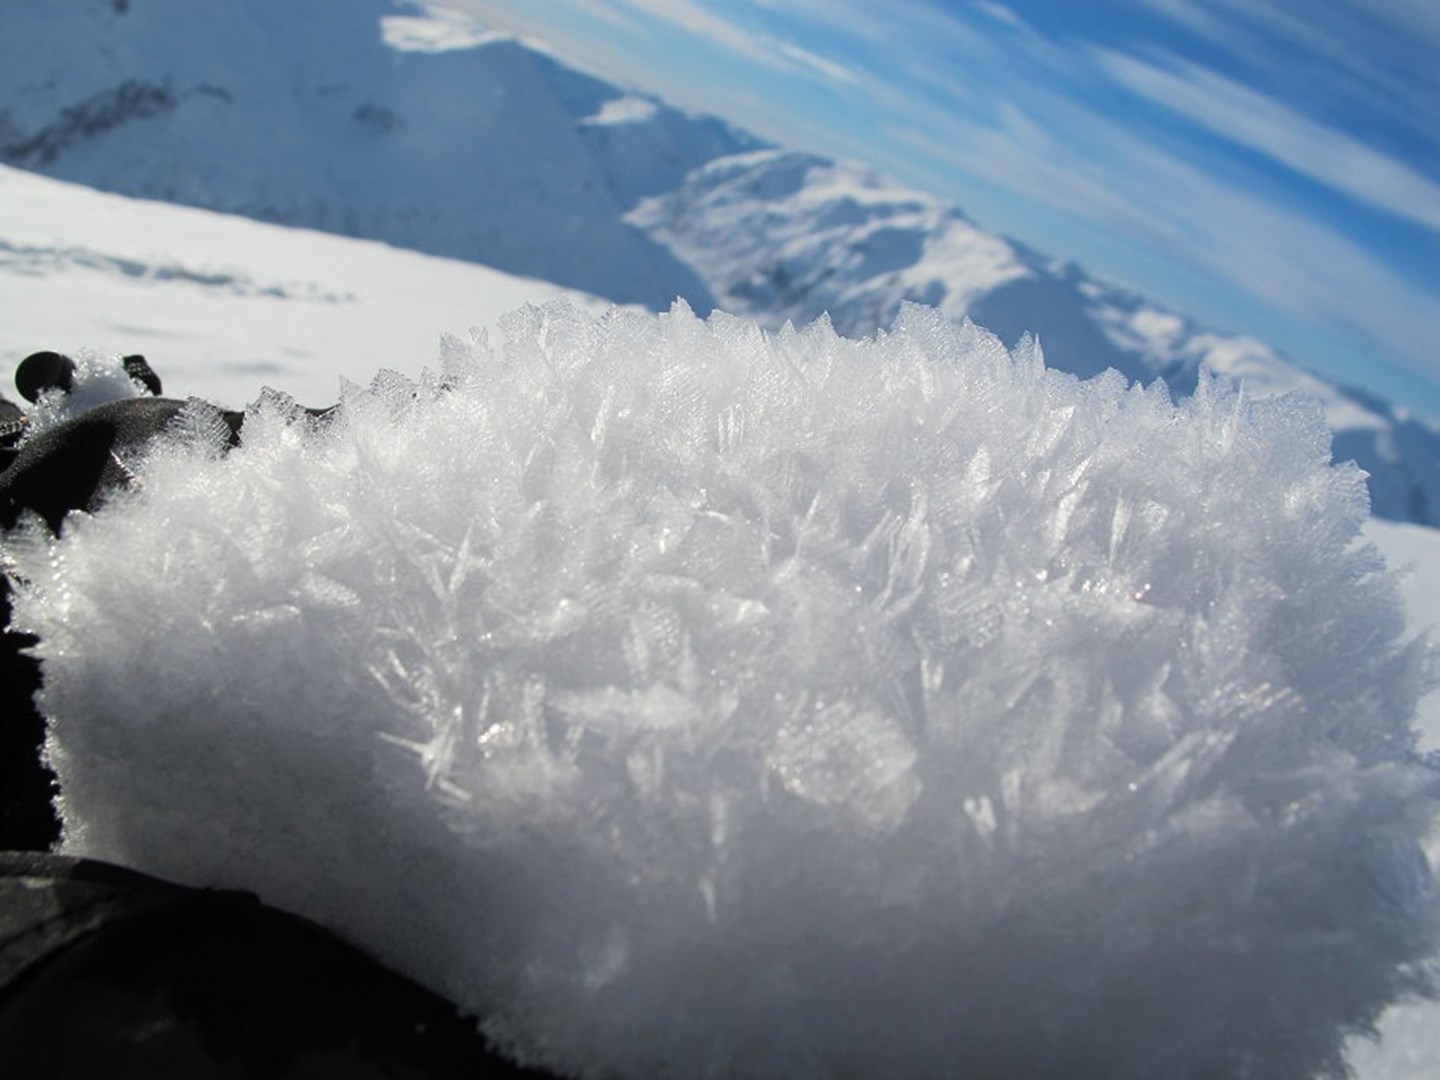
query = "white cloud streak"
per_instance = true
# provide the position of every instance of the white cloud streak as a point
(692, 17)
(829, 69)
(1242, 116)
(1382, 50)
(1298, 265)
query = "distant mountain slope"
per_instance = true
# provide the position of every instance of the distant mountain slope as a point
(402, 123)
(298, 112)
(781, 235)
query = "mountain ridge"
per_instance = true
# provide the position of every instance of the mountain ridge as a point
(411, 125)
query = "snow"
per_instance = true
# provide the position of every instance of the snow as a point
(1413, 552)
(221, 305)
(1265, 372)
(95, 381)
(783, 235)
(435, 29)
(691, 699)
(401, 124)
(625, 110)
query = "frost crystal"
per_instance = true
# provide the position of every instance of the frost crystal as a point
(95, 380)
(688, 700)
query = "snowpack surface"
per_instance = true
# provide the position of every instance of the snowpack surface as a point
(692, 699)
(223, 305)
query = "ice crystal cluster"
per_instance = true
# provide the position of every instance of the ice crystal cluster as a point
(96, 380)
(689, 700)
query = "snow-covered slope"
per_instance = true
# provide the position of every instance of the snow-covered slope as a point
(404, 123)
(300, 112)
(222, 305)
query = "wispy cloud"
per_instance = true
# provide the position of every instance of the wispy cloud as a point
(1000, 13)
(757, 46)
(1199, 19)
(1298, 265)
(1023, 158)
(1242, 116)
(1417, 17)
(829, 69)
(692, 17)
(1382, 53)
(607, 12)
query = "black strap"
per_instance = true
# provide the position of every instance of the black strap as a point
(137, 368)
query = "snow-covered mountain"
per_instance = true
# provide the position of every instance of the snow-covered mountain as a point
(783, 235)
(315, 113)
(403, 123)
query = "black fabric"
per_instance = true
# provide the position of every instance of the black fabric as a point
(43, 371)
(64, 469)
(27, 787)
(49, 901)
(12, 427)
(70, 466)
(109, 973)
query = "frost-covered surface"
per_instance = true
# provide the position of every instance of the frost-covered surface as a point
(688, 700)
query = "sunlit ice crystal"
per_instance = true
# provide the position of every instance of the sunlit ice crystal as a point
(690, 700)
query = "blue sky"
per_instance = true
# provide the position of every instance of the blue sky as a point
(1267, 166)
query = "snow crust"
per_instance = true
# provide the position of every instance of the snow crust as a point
(687, 699)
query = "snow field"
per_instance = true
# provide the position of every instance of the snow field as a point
(690, 700)
(222, 305)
